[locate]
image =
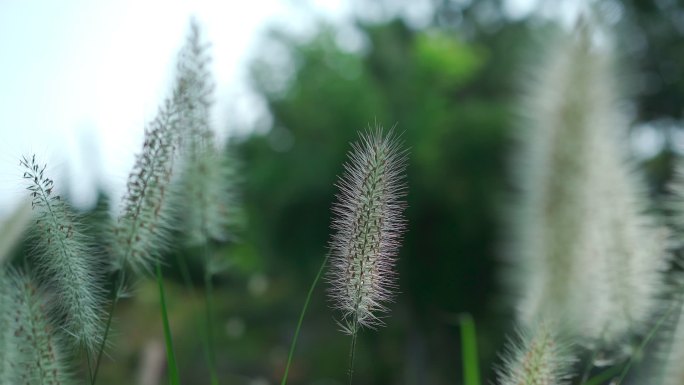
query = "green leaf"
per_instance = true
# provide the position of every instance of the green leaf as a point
(471, 370)
(301, 319)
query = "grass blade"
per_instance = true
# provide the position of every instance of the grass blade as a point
(301, 319)
(174, 378)
(603, 376)
(471, 366)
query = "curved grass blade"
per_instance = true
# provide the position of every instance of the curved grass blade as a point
(301, 319)
(471, 366)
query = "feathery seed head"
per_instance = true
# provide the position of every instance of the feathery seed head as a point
(64, 259)
(141, 230)
(368, 226)
(589, 254)
(536, 358)
(209, 174)
(208, 180)
(38, 357)
(8, 349)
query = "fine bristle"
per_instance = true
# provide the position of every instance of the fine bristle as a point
(208, 171)
(142, 228)
(368, 226)
(536, 357)
(588, 253)
(38, 356)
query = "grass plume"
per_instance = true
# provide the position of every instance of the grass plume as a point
(38, 351)
(142, 228)
(368, 226)
(207, 171)
(536, 358)
(589, 253)
(64, 259)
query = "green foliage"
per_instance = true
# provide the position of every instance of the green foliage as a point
(445, 61)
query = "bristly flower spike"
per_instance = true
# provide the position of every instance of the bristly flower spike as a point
(64, 259)
(142, 227)
(208, 172)
(38, 356)
(368, 225)
(536, 358)
(590, 254)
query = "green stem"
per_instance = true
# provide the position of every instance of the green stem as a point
(116, 293)
(352, 349)
(301, 319)
(174, 378)
(471, 370)
(208, 292)
(90, 366)
(645, 342)
(187, 279)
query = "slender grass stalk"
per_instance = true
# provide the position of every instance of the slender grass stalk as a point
(293, 345)
(209, 301)
(117, 289)
(471, 366)
(174, 378)
(187, 280)
(645, 342)
(352, 349)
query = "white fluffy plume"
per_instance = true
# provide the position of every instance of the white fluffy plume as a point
(589, 254)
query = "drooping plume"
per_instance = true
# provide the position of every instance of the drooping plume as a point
(64, 259)
(589, 254)
(538, 358)
(368, 225)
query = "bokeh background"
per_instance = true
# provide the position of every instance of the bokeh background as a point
(299, 81)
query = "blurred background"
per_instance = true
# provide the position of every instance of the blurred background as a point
(295, 81)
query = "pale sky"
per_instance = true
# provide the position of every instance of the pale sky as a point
(80, 79)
